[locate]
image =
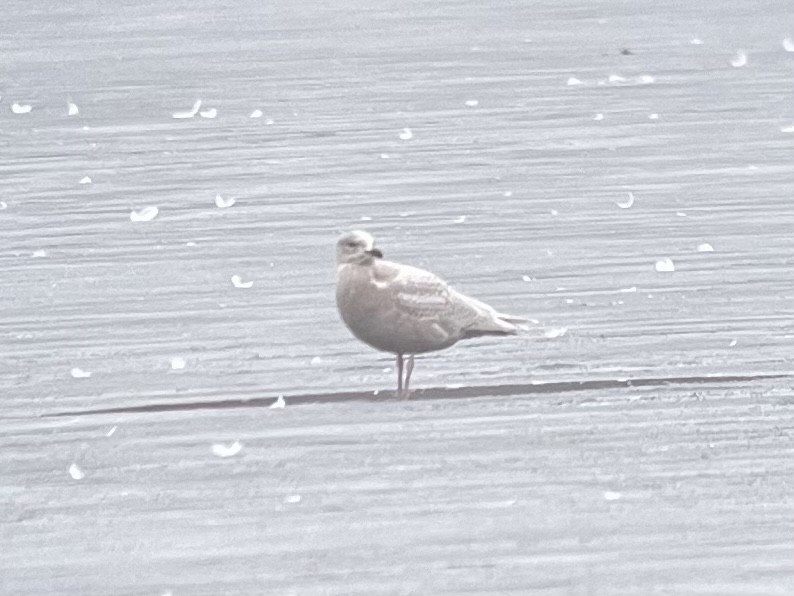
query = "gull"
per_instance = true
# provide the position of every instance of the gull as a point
(405, 310)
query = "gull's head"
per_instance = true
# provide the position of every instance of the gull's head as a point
(356, 247)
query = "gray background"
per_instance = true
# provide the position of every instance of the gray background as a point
(671, 488)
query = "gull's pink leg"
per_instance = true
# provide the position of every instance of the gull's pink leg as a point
(399, 374)
(409, 368)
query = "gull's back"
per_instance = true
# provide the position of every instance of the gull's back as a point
(406, 310)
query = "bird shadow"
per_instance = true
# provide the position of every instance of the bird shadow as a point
(430, 393)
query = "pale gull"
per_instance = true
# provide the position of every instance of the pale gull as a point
(405, 310)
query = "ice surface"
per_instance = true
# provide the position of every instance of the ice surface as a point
(384, 479)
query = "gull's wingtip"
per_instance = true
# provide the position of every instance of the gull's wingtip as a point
(515, 319)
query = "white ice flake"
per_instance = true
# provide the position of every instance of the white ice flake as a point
(209, 113)
(665, 266)
(178, 363)
(788, 44)
(222, 203)
(221, 450)
(256, 114)
(705, 247)
(145, 214)
(554, 332)
(75, 472)
(278, 404)
(189, 113)
(406, 134)
(238, 282)
(79, 373)
(72, 109)
(628, 203)
(739, 60)
(21, 108)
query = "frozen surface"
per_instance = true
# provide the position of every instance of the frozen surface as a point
(151, 260)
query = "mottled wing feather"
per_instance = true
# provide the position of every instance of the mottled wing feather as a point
(406, 310)
(421, 295)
